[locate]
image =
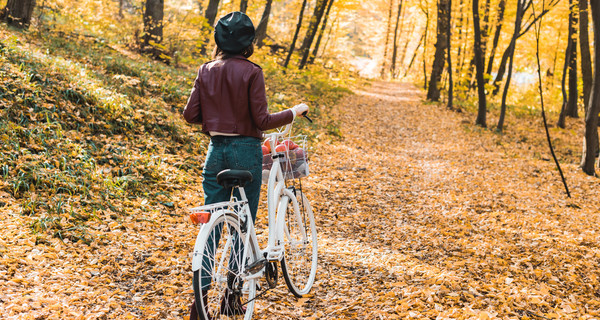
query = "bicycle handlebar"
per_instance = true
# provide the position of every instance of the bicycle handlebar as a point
(306, 116)
(286, 129)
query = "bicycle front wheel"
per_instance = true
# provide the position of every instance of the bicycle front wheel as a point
(219, 289)
(299, 265)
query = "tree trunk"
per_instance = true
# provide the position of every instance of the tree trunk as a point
(395, 43)
(499, 22)
(243, 6)
(211, 12)
(481, 113)
(433, 92)
(510, 50)
(590, 144)
(538, 28)
(120, 9)
(332, 30)
(586, 57)
(450, 80)
(312, 31)
(387, 38)
(531, 21)
(298, 27)
(17, 13)
(464, 44)
(485, 29)
(200, 7)
(414, 55)
(153, 28)
(502, 67)
(403, 54)
(321, 32)
(520, 12)
(426, 12)
(552, 71)
(573, 92)
(459, 27)
(261, 29)
(484, 37)
(564, 109)
(500, 125)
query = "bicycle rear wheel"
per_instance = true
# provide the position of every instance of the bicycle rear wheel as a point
(219, 289)
(299, 265)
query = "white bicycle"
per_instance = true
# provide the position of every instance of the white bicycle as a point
(230, 269)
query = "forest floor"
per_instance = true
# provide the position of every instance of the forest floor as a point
(419, 213)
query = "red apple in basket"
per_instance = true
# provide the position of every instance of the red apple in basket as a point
(290, 156)
(290, 144)
(281, 148)
(285, 161)
(265, 150)
(267, 144)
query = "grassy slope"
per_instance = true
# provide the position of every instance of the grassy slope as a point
(97, 169)
(88, 129)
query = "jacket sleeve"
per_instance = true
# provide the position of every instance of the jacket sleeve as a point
(192, 113)
(258, 106)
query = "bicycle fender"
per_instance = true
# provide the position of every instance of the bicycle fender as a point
(282, 212)
(275, 247)
(296, 207)
(202, 236)
(197, 254)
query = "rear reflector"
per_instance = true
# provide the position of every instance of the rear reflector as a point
(199, 217)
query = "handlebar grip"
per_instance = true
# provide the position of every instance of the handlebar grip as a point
(305, 116)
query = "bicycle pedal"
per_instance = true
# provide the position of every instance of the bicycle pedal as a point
(256, 266)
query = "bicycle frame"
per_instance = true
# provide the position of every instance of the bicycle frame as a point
(226, 279)
(278, 197)
(276, 192)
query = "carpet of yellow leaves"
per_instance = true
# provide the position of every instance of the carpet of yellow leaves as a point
(419, 216)
(422, 216)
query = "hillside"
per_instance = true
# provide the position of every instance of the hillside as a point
(93, 151)
(91, 130)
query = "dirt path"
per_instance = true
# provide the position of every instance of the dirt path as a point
(420, 215)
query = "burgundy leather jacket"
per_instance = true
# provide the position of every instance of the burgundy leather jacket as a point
(230, 97)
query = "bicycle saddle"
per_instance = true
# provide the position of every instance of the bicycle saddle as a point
(234, 178)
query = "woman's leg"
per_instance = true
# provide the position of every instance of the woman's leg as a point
(247, 155)
(241, 153)
(244, 153)
(213, 192)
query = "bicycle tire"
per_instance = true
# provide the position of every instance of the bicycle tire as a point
(299, 265)
(225, 284)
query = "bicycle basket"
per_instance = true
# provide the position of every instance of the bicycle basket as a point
(292, 156)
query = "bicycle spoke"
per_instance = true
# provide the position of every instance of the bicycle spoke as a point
(225, 294)
(299, 264)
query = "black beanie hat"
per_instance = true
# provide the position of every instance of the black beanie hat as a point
(234, 32)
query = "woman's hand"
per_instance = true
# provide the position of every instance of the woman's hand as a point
(300, 109)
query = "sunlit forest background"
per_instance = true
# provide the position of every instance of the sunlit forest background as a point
(460, 121)
(373, 39)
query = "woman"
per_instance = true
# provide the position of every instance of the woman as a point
(229, 100)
